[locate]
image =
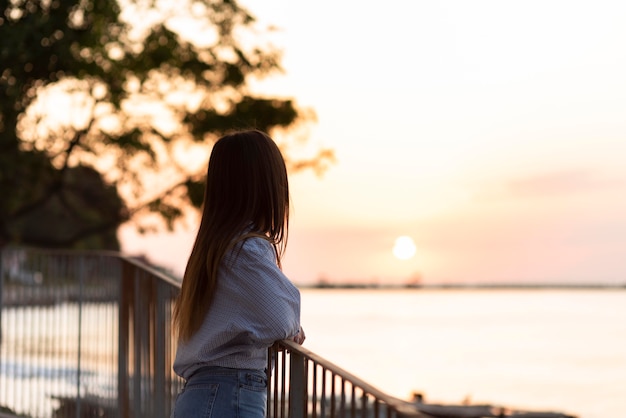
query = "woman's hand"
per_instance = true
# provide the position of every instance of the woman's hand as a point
(300, 337)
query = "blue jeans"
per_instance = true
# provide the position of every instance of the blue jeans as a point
(218, 392)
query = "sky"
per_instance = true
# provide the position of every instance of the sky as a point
(492, 133)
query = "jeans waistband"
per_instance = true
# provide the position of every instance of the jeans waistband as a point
(221, 371)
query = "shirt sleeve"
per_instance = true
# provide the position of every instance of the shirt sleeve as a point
(268, 303)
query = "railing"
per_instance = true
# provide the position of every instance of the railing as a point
(85, 334)
(303, 384)
(88, 335)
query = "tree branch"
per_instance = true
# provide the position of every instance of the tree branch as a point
(73, 239)
(57, 184)
(164, 193)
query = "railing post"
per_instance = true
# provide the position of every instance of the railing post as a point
(140, 330)
(81, 296)
(160, 394)
(124, 308)
(297, 386)
(1, 284)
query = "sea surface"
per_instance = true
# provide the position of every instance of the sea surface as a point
(531, 349)
(558, 350)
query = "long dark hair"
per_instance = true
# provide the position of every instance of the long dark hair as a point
(246, 191)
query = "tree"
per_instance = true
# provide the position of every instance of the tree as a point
(102, 106)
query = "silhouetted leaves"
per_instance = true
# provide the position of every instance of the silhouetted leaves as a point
(195, 191)
(94, 112)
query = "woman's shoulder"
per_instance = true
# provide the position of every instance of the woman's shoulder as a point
(257, 244)
(254, 244)
(252, 251)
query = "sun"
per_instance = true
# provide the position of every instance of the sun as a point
(404, 248)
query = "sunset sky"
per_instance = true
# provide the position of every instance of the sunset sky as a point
(493, 133)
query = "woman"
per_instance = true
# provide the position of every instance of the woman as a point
(235, 302)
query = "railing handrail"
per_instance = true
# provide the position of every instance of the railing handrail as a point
(104, 253)
(399, 405)
(150, 269)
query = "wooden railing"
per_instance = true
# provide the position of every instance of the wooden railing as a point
(303, 384)
(88, 334)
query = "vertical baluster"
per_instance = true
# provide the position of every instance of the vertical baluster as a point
(364, 399)
(283, 384)
(342, 409)
(323, 394)
(269, 371)
(314, 394)
(276, 383)
(333, 399)
(297, 385)
(353, 401)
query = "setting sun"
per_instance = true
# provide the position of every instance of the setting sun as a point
(492, 160)
(404, 248)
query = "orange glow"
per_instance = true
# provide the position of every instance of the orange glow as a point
(491, 133)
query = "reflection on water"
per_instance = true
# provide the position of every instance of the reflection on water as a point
(561, 350)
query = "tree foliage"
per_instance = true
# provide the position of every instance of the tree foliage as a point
(107, 110)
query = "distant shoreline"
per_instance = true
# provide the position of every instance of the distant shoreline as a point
(465, 286)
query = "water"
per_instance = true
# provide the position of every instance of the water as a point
(560, 350)
(546, 350)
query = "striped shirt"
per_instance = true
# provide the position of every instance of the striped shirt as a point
(255, 305)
